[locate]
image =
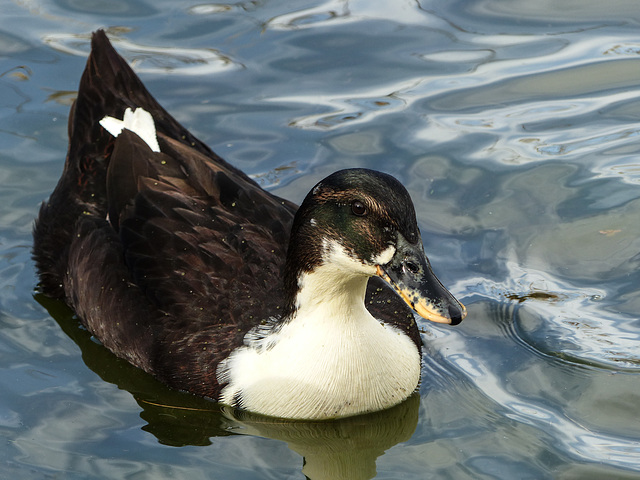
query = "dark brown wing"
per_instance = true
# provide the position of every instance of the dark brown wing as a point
(206, 247)
(167, 258)
(108, 86)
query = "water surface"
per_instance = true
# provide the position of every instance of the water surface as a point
(515, 126)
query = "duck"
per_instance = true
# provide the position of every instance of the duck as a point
(181, 264)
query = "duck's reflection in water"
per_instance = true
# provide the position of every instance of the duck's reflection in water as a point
(333, 449)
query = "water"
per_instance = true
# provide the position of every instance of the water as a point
(513, 124)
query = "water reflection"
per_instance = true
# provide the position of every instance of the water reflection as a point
(345, 449)
(329, 12)
(147, 59)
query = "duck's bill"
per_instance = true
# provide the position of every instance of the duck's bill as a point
(410, 274)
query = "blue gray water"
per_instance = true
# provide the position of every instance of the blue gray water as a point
(515, 126)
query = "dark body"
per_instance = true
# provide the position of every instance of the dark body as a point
(168, 263)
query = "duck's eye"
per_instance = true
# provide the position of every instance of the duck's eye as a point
(358, 208)
(412, 267)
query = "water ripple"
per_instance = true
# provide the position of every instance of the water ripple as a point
(333, 12)
(558, 319)
(537, 117)
(216, 8)
(519, 398)
(330, 12)
(347, 109)
(148, 59)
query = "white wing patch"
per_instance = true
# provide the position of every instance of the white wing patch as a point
(138, 121)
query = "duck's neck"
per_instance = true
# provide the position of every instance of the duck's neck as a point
(328, 279)
(332, 293)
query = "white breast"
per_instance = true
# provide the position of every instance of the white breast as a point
(332, 360)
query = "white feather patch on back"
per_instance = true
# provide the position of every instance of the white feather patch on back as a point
(138, 121)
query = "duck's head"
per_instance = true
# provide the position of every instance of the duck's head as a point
(360, 222)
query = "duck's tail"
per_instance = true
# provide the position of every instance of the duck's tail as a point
(107, 88)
